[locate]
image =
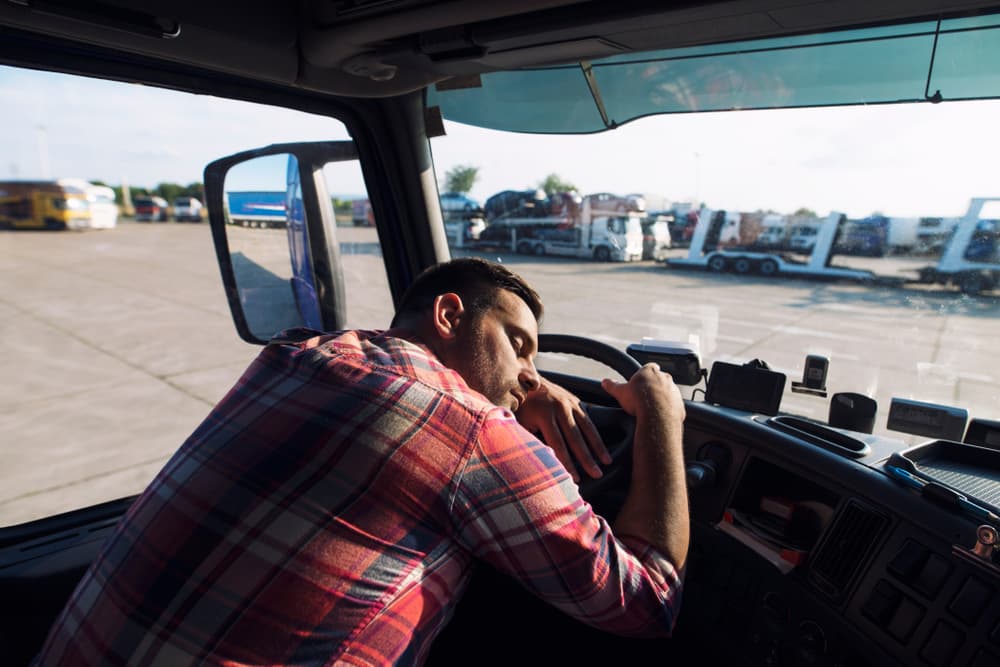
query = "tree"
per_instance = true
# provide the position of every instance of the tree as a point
(169, 191)
(196, 190)
(460, 178)
(553, 184)
(805, 212)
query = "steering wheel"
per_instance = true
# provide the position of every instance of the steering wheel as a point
(617, 427)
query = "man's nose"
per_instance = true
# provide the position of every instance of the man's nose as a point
(529, 378)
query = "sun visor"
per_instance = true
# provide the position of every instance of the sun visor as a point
(928, 61)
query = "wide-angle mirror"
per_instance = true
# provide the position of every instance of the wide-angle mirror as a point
(265, 229)
(274, 229)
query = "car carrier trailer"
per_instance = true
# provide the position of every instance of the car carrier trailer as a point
(747, 261)
(955, 268)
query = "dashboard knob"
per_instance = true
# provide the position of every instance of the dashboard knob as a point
(986, 541)
(712, 461)
(700, 474)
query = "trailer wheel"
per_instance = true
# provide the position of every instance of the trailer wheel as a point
(601, 254)
(742, 265)
(717, 263)
(768, 268)
(927, 274)
(973, 282)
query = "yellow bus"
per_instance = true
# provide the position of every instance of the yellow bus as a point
(43, 205)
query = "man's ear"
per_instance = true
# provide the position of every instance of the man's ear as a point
(447, 314)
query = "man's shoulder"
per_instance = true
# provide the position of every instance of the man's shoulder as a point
(393, 352)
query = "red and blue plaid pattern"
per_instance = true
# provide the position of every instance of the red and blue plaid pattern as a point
(328, 511)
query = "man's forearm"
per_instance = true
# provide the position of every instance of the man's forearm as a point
(656, 508)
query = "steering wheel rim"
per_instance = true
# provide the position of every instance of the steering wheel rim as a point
(610, 356)
(616, 427)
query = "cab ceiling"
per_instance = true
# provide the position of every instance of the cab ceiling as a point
(371, 48)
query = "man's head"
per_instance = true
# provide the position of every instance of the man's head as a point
(480, 319)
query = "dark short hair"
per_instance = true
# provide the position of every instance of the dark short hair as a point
(477, 281)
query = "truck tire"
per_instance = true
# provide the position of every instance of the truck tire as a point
(539, 249)
(768, 268)
(742, 265)
(717, 264)
(973, 282)
(524, 247)
(601, 254)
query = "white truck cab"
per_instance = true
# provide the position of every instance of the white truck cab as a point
(616, 238)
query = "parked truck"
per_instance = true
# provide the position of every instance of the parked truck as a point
(866, 237)
(600, 235)
(43, 205)
(877, 236)
(257, 208)
(774, 232)
(100, 202)
(362, 214)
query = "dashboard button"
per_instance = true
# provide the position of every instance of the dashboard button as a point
(917, 567)
(985, 659)
(971, 600)
(882, 603)
(907, 563)
(942, 645)
(932, 576)
(904, 621)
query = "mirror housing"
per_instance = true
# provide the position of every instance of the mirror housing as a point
(317, 284)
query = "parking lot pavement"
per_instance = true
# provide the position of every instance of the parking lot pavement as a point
(115, 344)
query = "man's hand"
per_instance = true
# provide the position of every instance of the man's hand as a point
(649, 389)
(554, 414)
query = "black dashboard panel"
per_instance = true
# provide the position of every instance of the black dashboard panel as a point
(886, 577)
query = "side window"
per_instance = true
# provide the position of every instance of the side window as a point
(116, 335)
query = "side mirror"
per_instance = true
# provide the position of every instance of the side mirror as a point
(274, 231)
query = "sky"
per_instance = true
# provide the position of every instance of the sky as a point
(904, 160)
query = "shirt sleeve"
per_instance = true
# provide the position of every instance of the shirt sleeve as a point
(517, 508)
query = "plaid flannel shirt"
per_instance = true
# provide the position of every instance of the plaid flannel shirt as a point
(329, 511)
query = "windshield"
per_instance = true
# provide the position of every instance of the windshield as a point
(617, 225)
(886, 332)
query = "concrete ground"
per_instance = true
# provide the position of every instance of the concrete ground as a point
(115, 344)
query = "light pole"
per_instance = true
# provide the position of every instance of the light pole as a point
(43, 151)
(697, 178)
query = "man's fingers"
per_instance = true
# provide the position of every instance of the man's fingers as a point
(582, 454)
(552, 437)
(582, 444)
(593, 438)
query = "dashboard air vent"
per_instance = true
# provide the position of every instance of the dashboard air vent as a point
(854, 534)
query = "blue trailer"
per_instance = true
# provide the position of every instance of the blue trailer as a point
(258, 208)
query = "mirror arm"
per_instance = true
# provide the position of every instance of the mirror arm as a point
(324, 250)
